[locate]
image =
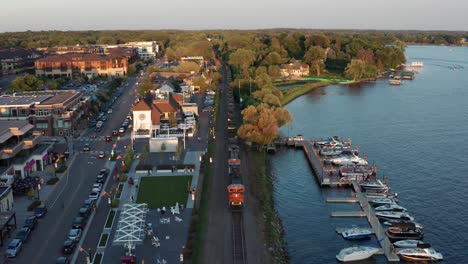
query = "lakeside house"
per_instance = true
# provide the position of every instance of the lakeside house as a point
(294, 69)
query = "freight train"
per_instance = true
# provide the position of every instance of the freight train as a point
(235, 188)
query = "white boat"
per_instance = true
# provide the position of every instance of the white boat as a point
(402, 222)
(390, 207)
(383, 201)
(331, 142)
(395, 82)
(420, 254)
(355, 171)
(356, 253)
(373, 185)
(393, 215)
(356, 233)
(349, 160)
(409, 243)
(331, 151)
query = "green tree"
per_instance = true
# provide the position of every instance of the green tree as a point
(144, 154)
(242, 58)
(52, 85)
(145, 87)
(315, 57)
(25, 83)
(188, 66)
(356, 69)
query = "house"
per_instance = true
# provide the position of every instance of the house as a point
(165, 108)
(167, 89)
(14, 61)
(146, 120)
(294, 69)
(81, 64)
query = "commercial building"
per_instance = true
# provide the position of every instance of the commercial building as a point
(13, 61)
(52, 113)
(146, 49)
(20, 151)
(81, 64)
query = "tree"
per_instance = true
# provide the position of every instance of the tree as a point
(131, 69)
(273, 58)
(366, 55)
(356, 69)
(25, 83)
(242, 58)
(263, 80)
(145, 87)
(200, 82)
(315, 57)
(52, 85)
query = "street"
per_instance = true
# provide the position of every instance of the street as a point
(45, 243)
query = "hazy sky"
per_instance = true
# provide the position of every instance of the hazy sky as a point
(21, 15)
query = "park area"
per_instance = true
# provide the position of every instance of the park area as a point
(164, 191)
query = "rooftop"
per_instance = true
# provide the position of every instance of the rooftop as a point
(10, 129)
(28, 99)
(22, 100)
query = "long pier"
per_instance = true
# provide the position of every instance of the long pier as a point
(328, 175)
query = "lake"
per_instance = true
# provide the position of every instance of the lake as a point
(416, 134)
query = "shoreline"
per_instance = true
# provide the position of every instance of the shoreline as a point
(293, 93)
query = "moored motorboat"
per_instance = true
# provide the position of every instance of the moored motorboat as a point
(402, 222)
(408, 243)
(420, 254)
(355, 171)
(395, 81)
(356, 253)
(388, 215)
(390, 207)
(382, 201)
(356, 233)
(349, 160)
(373, 185)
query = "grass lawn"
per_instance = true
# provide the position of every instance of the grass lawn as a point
(164, 191)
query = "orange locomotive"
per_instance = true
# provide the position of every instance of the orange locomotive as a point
(236, 189)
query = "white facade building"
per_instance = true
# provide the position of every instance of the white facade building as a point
(146, 49)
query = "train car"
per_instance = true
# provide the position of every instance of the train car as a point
(235, 189)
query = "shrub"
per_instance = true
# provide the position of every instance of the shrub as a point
(61, 169)
(115, 203)
(52, 181)
(123, 177)
(33, 205)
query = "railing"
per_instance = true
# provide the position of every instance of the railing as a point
(32, 141)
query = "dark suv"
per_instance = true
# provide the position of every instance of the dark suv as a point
(79, 222)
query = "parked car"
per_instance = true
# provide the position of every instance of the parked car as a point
(74, 234)
(101, 155)
(62, 260)
(23, 234)
(115, 133)
(84, 211)
(100, 179)
(104, 172)
(97, 187)
(40, 211)
(68, 246)
(89, 203)
(14, 247)
(79, 222)
(30, 222)
(86, 147)
(122, 130)
(108, 138)
(109, 111)
(94, 195)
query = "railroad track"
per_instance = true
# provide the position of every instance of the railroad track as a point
(238, 239)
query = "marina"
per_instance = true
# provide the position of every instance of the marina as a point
(376, 202)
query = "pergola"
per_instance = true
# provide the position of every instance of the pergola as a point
(131, 225)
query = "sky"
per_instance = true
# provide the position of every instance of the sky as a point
(22, 15)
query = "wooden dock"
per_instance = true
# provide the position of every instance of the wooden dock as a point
(348, 214)
(342, 200)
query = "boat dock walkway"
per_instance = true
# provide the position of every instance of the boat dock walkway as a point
(374, 222)
(328, 175)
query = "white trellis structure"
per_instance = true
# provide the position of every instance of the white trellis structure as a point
(131, 225)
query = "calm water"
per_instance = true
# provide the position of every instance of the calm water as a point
(417, 134)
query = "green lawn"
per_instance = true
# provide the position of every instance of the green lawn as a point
(164, 190)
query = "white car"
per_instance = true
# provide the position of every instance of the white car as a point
(94, 195)
(97, 187)
(109, 111)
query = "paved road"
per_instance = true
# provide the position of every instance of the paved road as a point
(46, 241)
